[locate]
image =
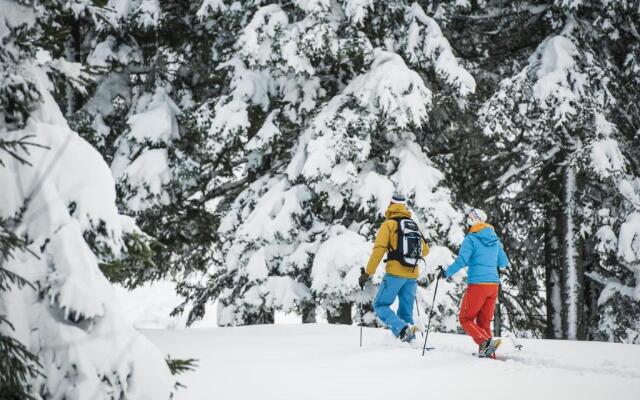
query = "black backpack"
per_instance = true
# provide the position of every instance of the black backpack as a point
(409, 250)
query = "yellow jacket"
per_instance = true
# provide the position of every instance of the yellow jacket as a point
(386, 238)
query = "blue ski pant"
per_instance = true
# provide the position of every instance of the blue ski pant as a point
(390, 288)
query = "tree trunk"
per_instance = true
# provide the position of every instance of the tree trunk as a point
(572, 264)
(340, 316)
(591, 291)
(265, 317)
(72, 50)
(553, 267)
(309, 314)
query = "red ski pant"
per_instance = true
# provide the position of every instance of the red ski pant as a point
(476, 311)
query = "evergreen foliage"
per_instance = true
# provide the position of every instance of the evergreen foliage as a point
(18, 366)
(61, 335)
(329, 121)
(256, 145)
(289, 125)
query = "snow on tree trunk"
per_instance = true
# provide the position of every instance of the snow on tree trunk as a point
(556, 304)
(571, 279)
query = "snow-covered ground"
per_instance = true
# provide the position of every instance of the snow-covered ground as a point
(319, 361)
(150, 305)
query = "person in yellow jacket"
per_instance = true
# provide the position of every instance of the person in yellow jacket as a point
(399, 280)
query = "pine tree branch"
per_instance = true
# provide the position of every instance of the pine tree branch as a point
(13, 146)
(224, 188)
(501, 14)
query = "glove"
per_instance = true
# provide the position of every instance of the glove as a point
(364, 277)
(441, 274)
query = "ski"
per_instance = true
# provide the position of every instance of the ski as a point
(515, 342)
(496, 358)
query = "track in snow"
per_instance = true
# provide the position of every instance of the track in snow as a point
(324, 362)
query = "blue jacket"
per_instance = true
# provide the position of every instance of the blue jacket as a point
(482, 252)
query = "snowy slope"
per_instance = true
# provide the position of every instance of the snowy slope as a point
(325, 362)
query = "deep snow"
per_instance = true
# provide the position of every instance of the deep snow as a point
(320, 361)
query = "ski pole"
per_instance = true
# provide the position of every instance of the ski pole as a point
(420, 318)
(513, 337)
(424, 348)
(361, 316)
(360, 306)
(512, 334)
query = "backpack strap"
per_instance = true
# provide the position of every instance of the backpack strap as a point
(392, 254)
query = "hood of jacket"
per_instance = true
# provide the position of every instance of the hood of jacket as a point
(485, 233)
(397, 211)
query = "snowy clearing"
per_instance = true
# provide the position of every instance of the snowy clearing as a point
(319, 361)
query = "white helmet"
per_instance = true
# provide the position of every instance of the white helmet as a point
(476, 216)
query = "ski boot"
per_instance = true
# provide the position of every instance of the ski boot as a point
(487, 349)
(408, 333)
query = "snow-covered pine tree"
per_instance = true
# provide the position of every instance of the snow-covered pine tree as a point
(58, 202)
(18, 366)
(493, 42)
(614, 308)
(130, 118)
(144, 114)
(269, 94)
(557, 115)
(356, 151)
(339, 126)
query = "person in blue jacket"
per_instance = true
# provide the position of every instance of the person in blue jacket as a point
(482, 253)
